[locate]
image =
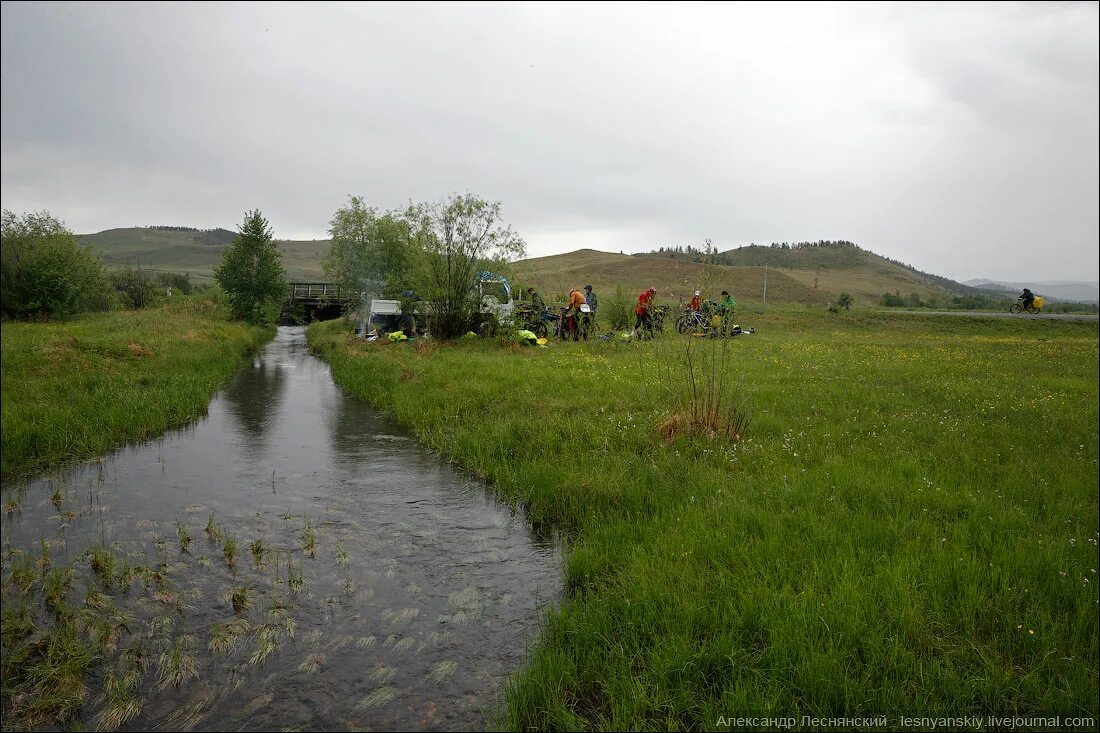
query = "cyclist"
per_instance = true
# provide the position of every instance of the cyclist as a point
(696, 303)
(1027, 298)
(642, 312)
(728, 304)
(590, 298)
(572, 315)
(536, 300)
(589, 318)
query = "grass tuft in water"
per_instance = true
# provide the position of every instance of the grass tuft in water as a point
(257, 549)
(311, 664)
(211, 529)
(379, 697)
(309, 538)
(178, 664)
(183, 532)
(224, 637)
(229, 549)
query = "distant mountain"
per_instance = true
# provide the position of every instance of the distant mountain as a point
(803, 273)
(195, 252)
(675, 280)
(1077, 291)
(841, 266)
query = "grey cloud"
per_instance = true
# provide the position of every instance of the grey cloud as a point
(954, 138)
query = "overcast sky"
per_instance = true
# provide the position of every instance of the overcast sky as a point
(962, 139)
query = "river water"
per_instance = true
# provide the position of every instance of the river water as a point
(387, 591)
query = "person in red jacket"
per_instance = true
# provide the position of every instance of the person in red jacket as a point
(696, 303)
(641, 311)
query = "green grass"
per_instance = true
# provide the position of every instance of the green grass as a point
(909, 525)
(75, 389)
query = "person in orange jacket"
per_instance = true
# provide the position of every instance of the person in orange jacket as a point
(572, 315)
(696, 303)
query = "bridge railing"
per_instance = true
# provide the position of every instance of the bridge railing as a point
(316, 291)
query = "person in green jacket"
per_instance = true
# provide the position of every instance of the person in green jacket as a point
(728, 304)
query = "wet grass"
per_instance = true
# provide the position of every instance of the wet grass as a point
(76, 389)
(909, 523)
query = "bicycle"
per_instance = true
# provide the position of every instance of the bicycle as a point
(691, 322)
(1035, 307)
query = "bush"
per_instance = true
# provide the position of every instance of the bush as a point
(44, 272)
(619, 310)
(175, 281)
(893, 300)
(135, 288)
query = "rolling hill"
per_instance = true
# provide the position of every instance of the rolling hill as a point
(195, 252)
(800, 274)
(675, 280)
(810, 273)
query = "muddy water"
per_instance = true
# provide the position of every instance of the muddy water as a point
(388, 590)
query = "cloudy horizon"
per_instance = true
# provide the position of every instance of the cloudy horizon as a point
(961, 139)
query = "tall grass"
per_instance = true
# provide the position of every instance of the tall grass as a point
(77, 388)
(909, 524)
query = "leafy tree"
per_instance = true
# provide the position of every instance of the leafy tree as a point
(452, 241)
(135, 288)
(369, 250)
(176, 281)
(845, 301)
(44, 272)
(251, 272)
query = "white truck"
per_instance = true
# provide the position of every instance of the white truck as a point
(494, 294)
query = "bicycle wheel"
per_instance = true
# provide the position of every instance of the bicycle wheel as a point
(1015, 308)
(1033, 310)
(683, 324)
(540, 330)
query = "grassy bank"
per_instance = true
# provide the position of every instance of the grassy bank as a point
(909, 527)
(78, 388)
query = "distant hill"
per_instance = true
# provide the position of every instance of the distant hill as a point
(195, 252)
(1075, 291)
(840, 266)
(675, 280)
(801, 273)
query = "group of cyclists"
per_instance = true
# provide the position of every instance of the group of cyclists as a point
(578, 319)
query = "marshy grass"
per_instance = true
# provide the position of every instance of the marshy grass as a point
(257, 549)
(229, 549)
(240, 598)
(906, 506)
(183, 533)
(213, 533)
(74, 389)
(309, 538)
(178, 664)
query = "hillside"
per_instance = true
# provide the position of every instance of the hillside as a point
(193, 251)
(675, 280)
(844, 267)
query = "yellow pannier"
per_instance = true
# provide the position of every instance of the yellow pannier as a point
(1038, 302)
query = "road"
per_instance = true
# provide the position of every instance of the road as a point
(995, 314)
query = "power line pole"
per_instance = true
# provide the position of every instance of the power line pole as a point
(765, 283)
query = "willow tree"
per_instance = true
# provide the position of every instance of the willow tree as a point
(369, 249)
(452, 241)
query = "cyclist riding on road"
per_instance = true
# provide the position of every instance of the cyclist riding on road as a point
(1028, 298)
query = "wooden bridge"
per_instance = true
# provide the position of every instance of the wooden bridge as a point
(315, 302)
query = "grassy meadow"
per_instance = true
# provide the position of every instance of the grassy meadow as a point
(77, 388)
(908, 527)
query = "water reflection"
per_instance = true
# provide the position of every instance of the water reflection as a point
(379, 588)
